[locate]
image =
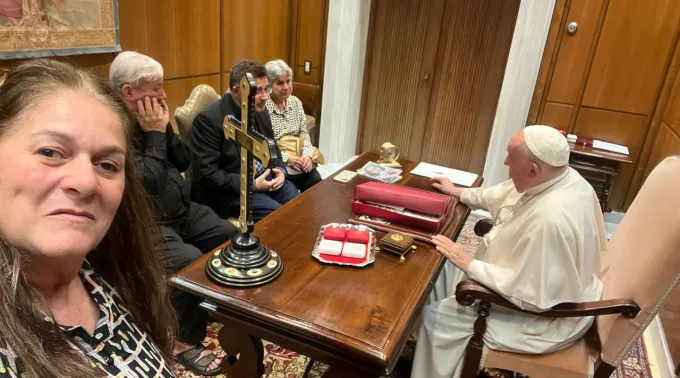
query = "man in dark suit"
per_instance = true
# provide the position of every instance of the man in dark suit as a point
(217, 161)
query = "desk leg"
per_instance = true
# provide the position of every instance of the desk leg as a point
(344, 372)
(251, 360)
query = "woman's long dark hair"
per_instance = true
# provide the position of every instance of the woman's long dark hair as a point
(125, 257)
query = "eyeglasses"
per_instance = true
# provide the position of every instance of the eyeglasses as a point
(260, 91)
(266, 90)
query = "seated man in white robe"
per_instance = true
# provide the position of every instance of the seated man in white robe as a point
(544, 249)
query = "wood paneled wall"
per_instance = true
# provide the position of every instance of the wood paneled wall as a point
(474, 46)
(197, 42)
(433, 91)
(184, 36)
(605, 80)
(663, 138)
(397, 91)
(268, 32)
(311, 16)
(98, 63)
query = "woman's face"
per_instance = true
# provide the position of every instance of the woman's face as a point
(282, 87)
(61, 175)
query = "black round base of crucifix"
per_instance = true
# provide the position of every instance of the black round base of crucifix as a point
(244, 263)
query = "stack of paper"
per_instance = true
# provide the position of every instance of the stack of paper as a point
(456, 176)
(610, 147)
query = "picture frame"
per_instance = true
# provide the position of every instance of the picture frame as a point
(47, 28)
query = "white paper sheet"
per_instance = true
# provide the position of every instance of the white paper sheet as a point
(600, 145)
(456, 176)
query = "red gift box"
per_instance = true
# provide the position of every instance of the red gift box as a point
(334, 233)
(357, 236)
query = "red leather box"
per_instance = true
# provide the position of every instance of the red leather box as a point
(400, 196)
(402, 205)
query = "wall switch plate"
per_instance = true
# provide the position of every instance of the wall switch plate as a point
(308, 67)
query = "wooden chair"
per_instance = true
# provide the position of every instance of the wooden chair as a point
(200, 97)
(309, 96)
(640, 268)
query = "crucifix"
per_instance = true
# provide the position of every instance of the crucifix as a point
(246, 262)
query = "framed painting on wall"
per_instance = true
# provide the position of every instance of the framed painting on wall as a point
(41, 28)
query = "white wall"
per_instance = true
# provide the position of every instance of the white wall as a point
(344, 69)
(343, 77)
(521, 72)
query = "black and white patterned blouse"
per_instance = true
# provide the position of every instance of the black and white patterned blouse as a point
(290, 121)
(117, 349)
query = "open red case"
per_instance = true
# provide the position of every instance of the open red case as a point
(405, 206)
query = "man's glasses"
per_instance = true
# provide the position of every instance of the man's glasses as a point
(266, 90)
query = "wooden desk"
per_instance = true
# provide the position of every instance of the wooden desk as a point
(600, 168)
(355, 320)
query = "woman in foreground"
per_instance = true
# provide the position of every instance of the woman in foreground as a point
(82, 292)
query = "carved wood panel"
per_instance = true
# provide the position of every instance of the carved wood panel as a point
(632, 55)
(400, 69)
(474, 46)
(572, 59)
(433, 77)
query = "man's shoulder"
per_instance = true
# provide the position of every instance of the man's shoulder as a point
(211, 109)
(500, 190)
(560, 208)
(263, 118)
(211, 113)
(137, 133)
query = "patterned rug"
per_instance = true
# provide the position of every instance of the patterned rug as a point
(284, 363)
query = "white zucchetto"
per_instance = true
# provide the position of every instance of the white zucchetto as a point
(547, 144)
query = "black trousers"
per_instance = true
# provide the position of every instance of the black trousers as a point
(186, 240)
(305, 180)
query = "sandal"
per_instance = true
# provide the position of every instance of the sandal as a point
(190, 360)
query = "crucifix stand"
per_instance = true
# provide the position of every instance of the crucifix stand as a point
(246, 262)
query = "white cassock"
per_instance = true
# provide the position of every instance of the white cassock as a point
(544, 249)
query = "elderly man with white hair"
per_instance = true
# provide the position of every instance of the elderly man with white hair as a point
(543, 250)
(188, 229)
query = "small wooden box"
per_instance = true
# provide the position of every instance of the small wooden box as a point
(397, 243)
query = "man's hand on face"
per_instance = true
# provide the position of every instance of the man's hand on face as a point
(152, 115)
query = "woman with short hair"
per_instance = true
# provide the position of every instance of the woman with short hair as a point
(82, 292)
(290, 131)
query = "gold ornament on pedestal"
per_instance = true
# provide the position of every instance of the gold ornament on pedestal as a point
(389, 154)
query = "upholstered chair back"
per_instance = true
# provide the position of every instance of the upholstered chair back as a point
(642, 260)
(202, 96)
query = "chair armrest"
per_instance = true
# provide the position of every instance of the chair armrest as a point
(468, 291)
